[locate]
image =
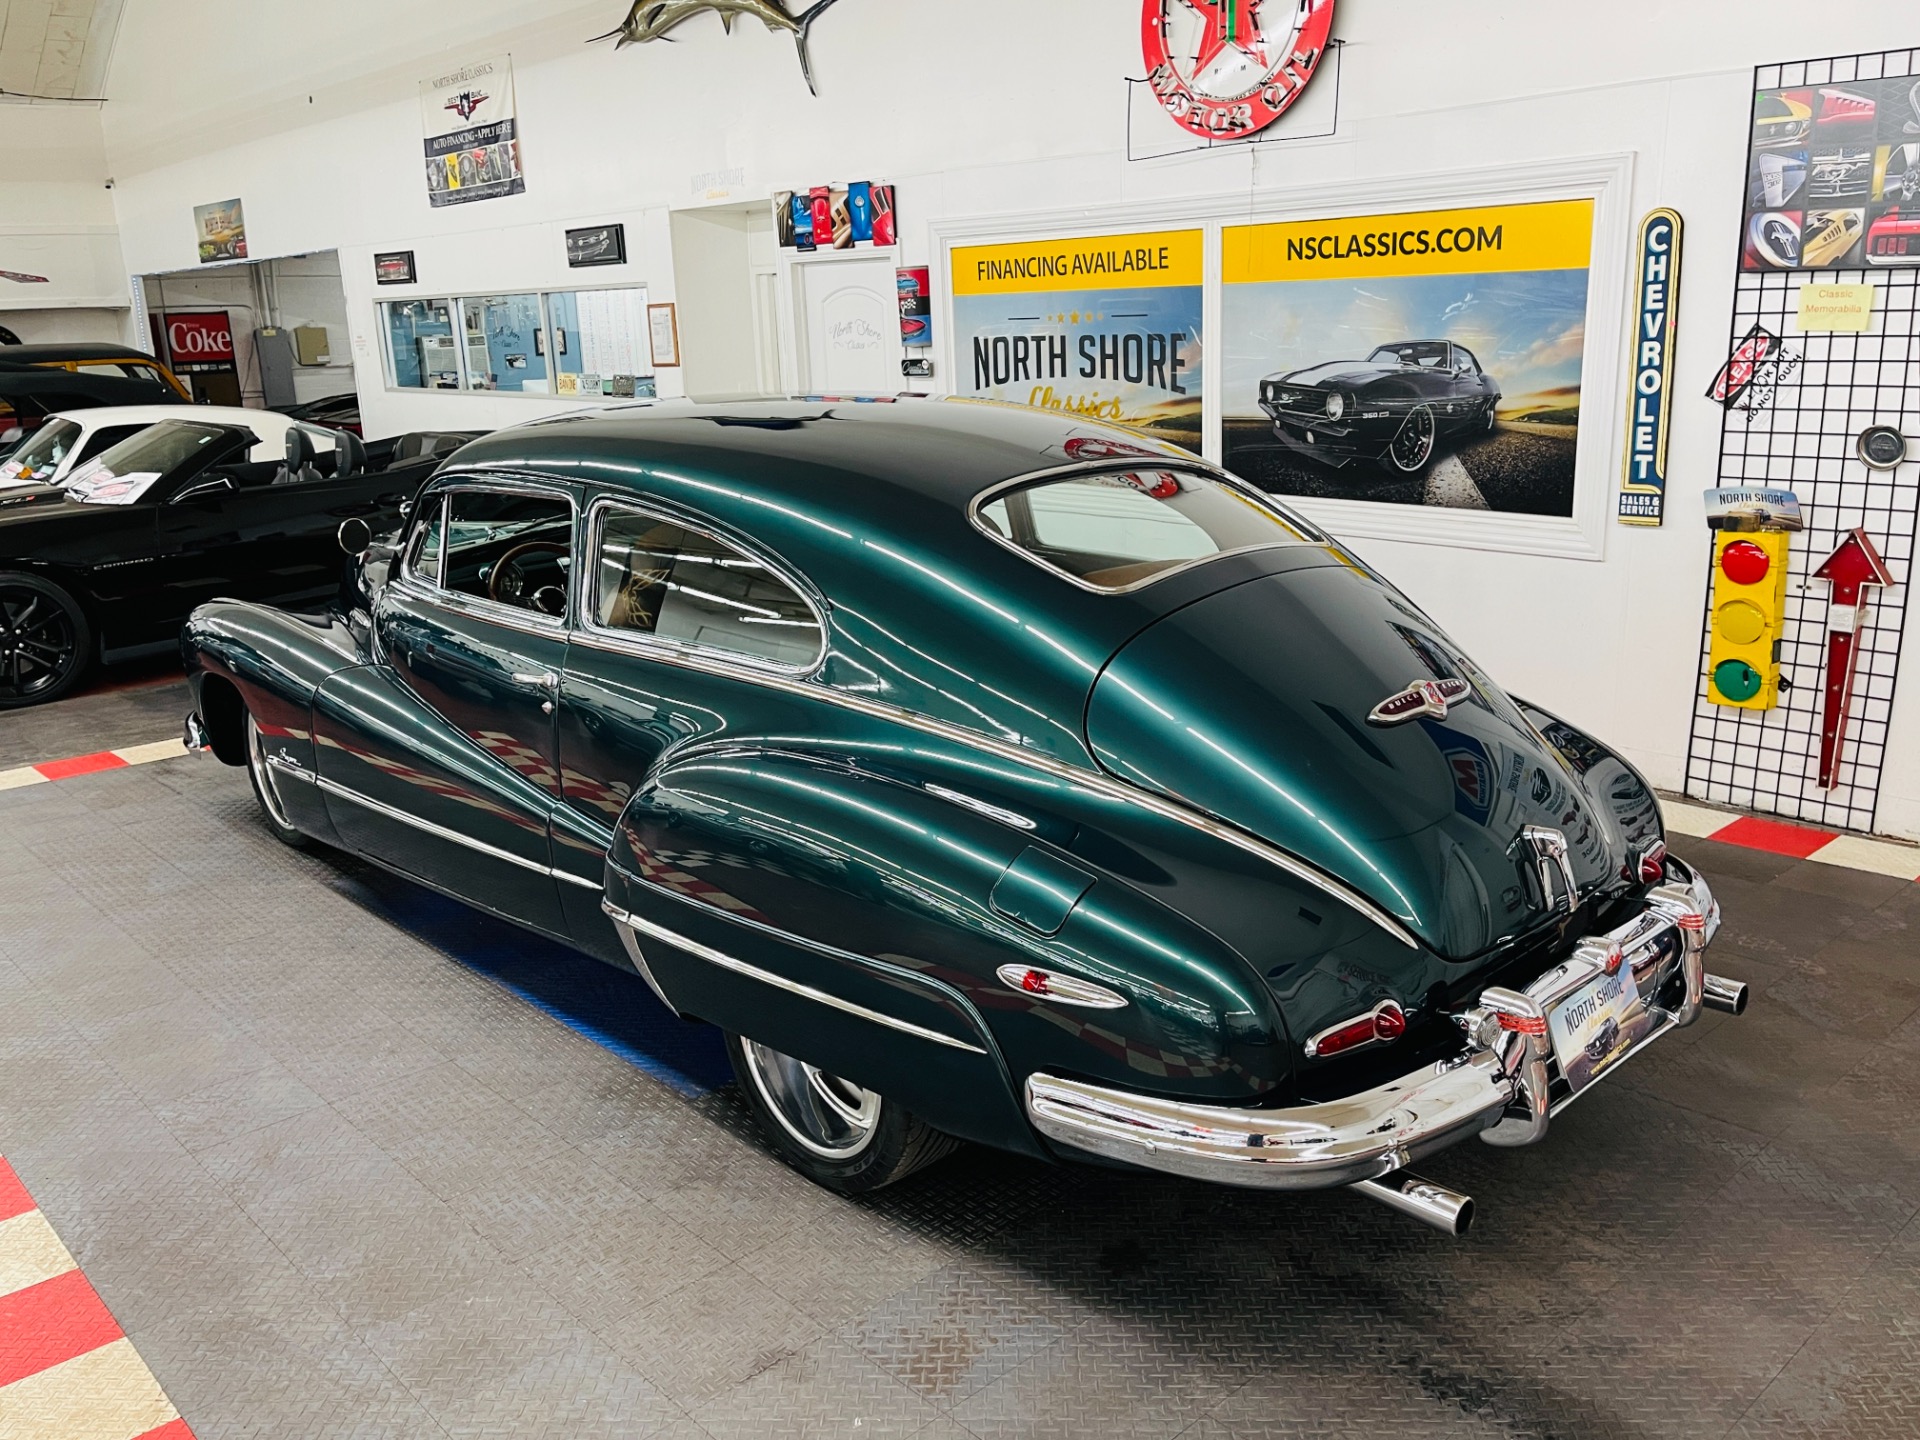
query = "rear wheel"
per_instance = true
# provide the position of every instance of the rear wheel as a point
(45, 641)
(836, 1133)
(272, 810)
(1413, 444)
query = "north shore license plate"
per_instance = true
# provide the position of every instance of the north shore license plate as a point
(1596, 1025)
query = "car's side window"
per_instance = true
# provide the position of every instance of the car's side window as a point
(509, 548)
(655, 577)
(425, 561)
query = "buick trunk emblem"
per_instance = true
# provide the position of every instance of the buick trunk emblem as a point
(1422, 698)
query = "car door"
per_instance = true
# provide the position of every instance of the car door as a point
(270, 539)
(440, 758)
(658, 590)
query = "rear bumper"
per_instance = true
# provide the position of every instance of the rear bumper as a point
(1503, 1087)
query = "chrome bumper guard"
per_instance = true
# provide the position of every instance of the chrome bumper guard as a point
(1499, 1088)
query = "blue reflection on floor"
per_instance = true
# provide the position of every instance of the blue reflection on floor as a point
(612, 1008)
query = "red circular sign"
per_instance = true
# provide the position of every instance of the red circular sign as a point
(1745, 563)
(1225, 69)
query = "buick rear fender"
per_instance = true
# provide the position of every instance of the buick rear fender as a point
(1253, 705)
(895, 897)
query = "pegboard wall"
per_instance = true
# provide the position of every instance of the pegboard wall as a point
(1796, 429)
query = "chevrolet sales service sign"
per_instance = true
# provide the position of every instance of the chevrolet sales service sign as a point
(1643, 488)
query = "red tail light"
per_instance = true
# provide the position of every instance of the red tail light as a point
(1525, 1024)
(1653, 862)
(1386, 1021)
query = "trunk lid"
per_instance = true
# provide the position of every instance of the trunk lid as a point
(1251, 704)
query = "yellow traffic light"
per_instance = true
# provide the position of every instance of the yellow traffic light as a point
(1749, 608)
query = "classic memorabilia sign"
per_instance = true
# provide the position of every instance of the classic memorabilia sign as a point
(1643, 488)
(1107, 326)
(197, 340)
(472, 136)
(1849, 570)
(1833, 176)
(393, 267)
(915, 284)
(1835, 309)
(1417, 359)
(597, 245)
(1227, 69)
(222, 231)
(836, 217)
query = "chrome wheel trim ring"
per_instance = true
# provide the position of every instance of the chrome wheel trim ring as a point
(825, 1115)
(1420, 428)
(263, 777)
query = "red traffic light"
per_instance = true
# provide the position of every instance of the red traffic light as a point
(1745, 563)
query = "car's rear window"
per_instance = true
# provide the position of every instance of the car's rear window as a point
(1120, 529)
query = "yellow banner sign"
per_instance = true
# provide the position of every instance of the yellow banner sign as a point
(1553, 235)
(1102, 262)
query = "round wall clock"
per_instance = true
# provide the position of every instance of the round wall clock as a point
(1226, 69)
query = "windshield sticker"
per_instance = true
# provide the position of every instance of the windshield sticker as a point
(100, 486)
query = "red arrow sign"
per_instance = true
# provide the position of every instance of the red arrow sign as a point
(1850, 568)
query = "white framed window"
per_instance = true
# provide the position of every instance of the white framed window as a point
(565, 343)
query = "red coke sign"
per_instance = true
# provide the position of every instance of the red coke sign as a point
(200, 339)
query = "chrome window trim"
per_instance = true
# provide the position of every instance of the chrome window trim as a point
(640, 642)
(1080, 776)
(780, 982)
(1226, 480)
(513, 617)
(334, 787)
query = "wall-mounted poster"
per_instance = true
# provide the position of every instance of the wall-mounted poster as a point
(1107, 327)
(472, 136)
(393, 267)
(663, 335)
(915, 284)
(1833, 176)
(597, 245)
(1421, 359)
(221, 229)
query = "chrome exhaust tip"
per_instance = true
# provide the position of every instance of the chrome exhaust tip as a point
(1726, 995)
(1445, 1210)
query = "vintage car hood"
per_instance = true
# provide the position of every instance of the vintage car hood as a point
(1252, 705)
(1343, 372)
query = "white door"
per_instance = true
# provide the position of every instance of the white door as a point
(850, 321)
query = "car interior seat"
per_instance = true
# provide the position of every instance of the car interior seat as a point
(299, 467)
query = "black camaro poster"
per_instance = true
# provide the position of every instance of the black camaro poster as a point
(1418, 359)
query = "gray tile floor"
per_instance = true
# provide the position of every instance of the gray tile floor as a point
(335, 1184)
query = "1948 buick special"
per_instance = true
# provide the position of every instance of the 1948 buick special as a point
(984, 776)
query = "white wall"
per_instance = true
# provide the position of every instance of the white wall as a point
(57, 220)
(985, 107)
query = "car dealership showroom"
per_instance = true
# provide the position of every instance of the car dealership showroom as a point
(959, 718)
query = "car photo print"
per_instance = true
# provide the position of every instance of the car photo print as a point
(1392, 409)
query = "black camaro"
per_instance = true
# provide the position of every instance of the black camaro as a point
(109, 565)
(1393, 407)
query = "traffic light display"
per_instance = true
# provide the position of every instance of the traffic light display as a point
(1749, 607)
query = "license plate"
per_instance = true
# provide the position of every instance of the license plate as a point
(1593, 1028)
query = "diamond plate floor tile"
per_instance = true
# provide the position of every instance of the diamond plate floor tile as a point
(827, 1389)
(708, 1337)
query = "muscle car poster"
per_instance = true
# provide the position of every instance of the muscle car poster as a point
(1415, 359)
(1108, 327)
(1833, 176)
(472, 135)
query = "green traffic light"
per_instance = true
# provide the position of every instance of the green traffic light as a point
(1736, 679)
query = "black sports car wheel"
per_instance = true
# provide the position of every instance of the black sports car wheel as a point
(1412, 446)
(834, 1132)
(272, 810)
(45, 642)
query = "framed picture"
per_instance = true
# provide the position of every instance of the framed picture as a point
(597, 245)
(663, 328)
(393, 267)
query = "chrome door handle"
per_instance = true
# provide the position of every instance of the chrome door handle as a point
(547, 680)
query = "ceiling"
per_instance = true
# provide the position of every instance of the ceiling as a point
(56, 48)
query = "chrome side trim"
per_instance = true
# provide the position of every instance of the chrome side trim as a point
(780, 982)
(623, 926)
(333, 787)
(1032, 759)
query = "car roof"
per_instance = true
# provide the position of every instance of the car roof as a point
(943, 450)
(73, 350)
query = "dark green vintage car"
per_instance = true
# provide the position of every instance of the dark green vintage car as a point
(984, 775)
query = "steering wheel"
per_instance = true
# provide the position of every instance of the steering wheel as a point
(505, 583)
